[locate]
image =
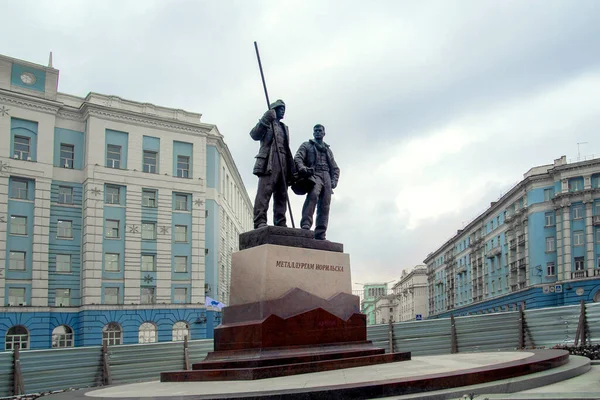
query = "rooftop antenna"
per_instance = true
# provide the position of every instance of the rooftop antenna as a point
(578, 154)
(50, 61)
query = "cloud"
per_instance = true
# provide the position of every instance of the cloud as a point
(433, 109)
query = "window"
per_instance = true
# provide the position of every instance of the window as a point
(180, 264)
(111, 295)
(18, 225)
(579, 264)
(548, 194)
(112, 195)
(147, 333)
(149, 198)
(597, 235)
(550, 244)
(111, 262)
(577, 212)
(550, 271)
(148, 295)
(67, 155)
(180, 295)
(113, 156)
(112, 334)
(17, 337)
(17, 261)
(181, 233)
(22, 145)
(62, 336)
(63, 263)
(111, 229)
(149, 231)
(148, 262)
(181, 202)
(150, 161)
(19, 190)
(63, 297)
(549, 218)
(16, 296)
(578, 238)
(183, 166)
(575, 185)
(180, 331)
(65, 195)
(64, 229)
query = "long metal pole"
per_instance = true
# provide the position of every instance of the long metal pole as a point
(262, 75)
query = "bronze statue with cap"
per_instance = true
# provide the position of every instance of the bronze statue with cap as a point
(274, 165)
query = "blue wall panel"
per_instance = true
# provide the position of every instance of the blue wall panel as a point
(179, 248)
(182, 149)
(151, 143)
(87, 325)
(21, 243)
(212, 235)
(73, 138)
(118, 139)
(29, 129)
(212, 167)
(40, 77)
(65, 280)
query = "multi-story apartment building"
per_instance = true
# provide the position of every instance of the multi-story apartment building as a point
(117, 218)
(537, 246)
(411, 294)
(371, 293)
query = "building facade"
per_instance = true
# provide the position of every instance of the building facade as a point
(370, 294)
(537, 246)
(411, 295)
(116, 217)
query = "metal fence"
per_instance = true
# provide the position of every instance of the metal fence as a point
(55, 369)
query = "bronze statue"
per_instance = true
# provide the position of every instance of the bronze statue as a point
(274, 165)
(314, 161)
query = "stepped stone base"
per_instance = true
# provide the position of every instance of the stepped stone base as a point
(291, 311)
(283, 361)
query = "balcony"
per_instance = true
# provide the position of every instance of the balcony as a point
(596, 220)
(513, 266)
(462, 270)
(475, 242)
(522, 263)
(514, 288)
(494, 252)
(597, 272)
(512, 244)
(579, 274)
(521, 240)
(521, 285)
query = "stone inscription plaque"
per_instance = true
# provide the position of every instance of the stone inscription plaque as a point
(268, 271)
(304, 265)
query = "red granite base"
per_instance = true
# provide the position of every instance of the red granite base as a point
(312, 327)
(275, 362)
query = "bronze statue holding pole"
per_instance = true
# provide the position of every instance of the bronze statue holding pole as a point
(274, 162)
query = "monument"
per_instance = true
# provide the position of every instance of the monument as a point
(291, 308)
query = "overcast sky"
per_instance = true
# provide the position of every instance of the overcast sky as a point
(432, 108)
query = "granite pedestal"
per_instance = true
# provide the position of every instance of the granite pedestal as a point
(291, 311)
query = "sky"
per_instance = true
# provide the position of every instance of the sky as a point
(433, 109)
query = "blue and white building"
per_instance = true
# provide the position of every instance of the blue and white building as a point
(117, 218)
(537, 246)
